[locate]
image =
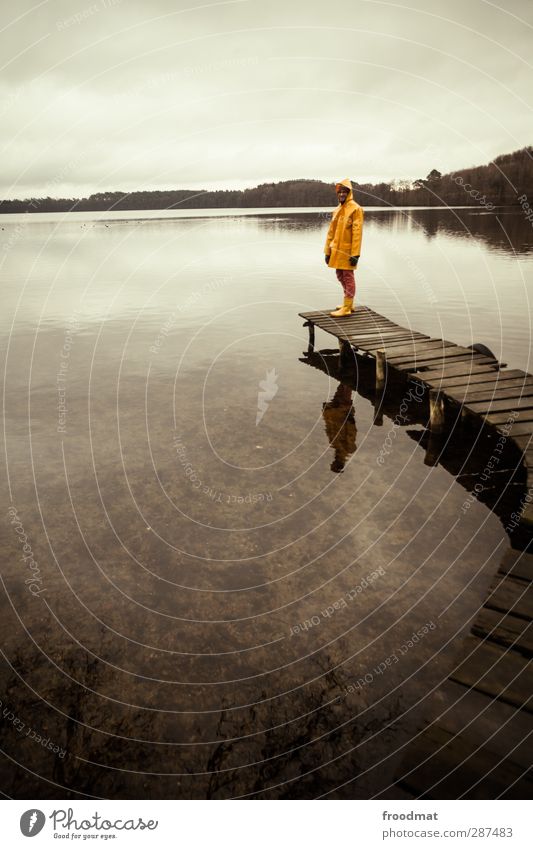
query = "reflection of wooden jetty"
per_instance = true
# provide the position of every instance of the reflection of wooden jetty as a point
(478, 737)
(463, 455)
(458, 380)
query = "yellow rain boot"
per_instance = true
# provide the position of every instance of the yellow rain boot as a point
(346, 309)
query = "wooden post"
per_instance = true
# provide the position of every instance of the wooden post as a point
(345, 353)
(311, 345)
(381, 371)
(433, 449)
(437, 412)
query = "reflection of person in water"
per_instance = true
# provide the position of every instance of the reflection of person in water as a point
(339, 418)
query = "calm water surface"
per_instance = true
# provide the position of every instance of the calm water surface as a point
(176, 472)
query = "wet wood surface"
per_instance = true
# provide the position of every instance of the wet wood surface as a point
(479, 740)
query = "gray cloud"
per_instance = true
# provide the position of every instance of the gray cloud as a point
(125, 95)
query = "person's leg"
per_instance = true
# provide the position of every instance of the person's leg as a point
(340, 278)
(347, 279)
(348, 283)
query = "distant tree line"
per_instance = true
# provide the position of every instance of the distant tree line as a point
(499, 183)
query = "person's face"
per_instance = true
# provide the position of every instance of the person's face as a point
(342, 194)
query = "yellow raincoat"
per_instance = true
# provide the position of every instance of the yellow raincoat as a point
(339, 419)
(345, 231)
(341, 429)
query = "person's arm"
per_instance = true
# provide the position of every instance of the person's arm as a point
(329, 237)
(357, 233)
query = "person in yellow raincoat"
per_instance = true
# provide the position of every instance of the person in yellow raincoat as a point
(343, 243)
(339, 419)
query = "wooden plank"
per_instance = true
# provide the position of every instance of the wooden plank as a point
(485, 383)
(470, 365)
(377, 343)
(511, 595)
(463, 382)
(502, 418)
(369, 320)
(397, 331)
(364, 342)
(347, 321)
(374, 334)
(421, 364)
(421, 347)
(503, 729)
(396, 342)
(409, 334)
(358, 316)
(505, 629)
(458, 370)
(458, 350)
(346, 324)
(503, 378)
(372, 326)
(442, 765)
(499, 406)
(359, 322)
(452, 353)
(437, 354)
(369, 326)
(375, 330)
(500, 674)
(517, 563)
(415, 366)
(493, 392)
(378, 319)
(519, 429)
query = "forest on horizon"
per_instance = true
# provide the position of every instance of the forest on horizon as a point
(499, 183)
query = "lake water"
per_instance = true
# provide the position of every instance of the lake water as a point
(177, 482)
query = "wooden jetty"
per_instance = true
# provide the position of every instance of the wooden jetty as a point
(478, 740)
(460, 381)
(478, 736)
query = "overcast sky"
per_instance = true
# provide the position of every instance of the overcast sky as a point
(142, 94)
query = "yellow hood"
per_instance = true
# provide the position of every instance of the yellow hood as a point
(348, 184)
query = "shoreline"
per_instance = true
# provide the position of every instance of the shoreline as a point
(213, 212)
